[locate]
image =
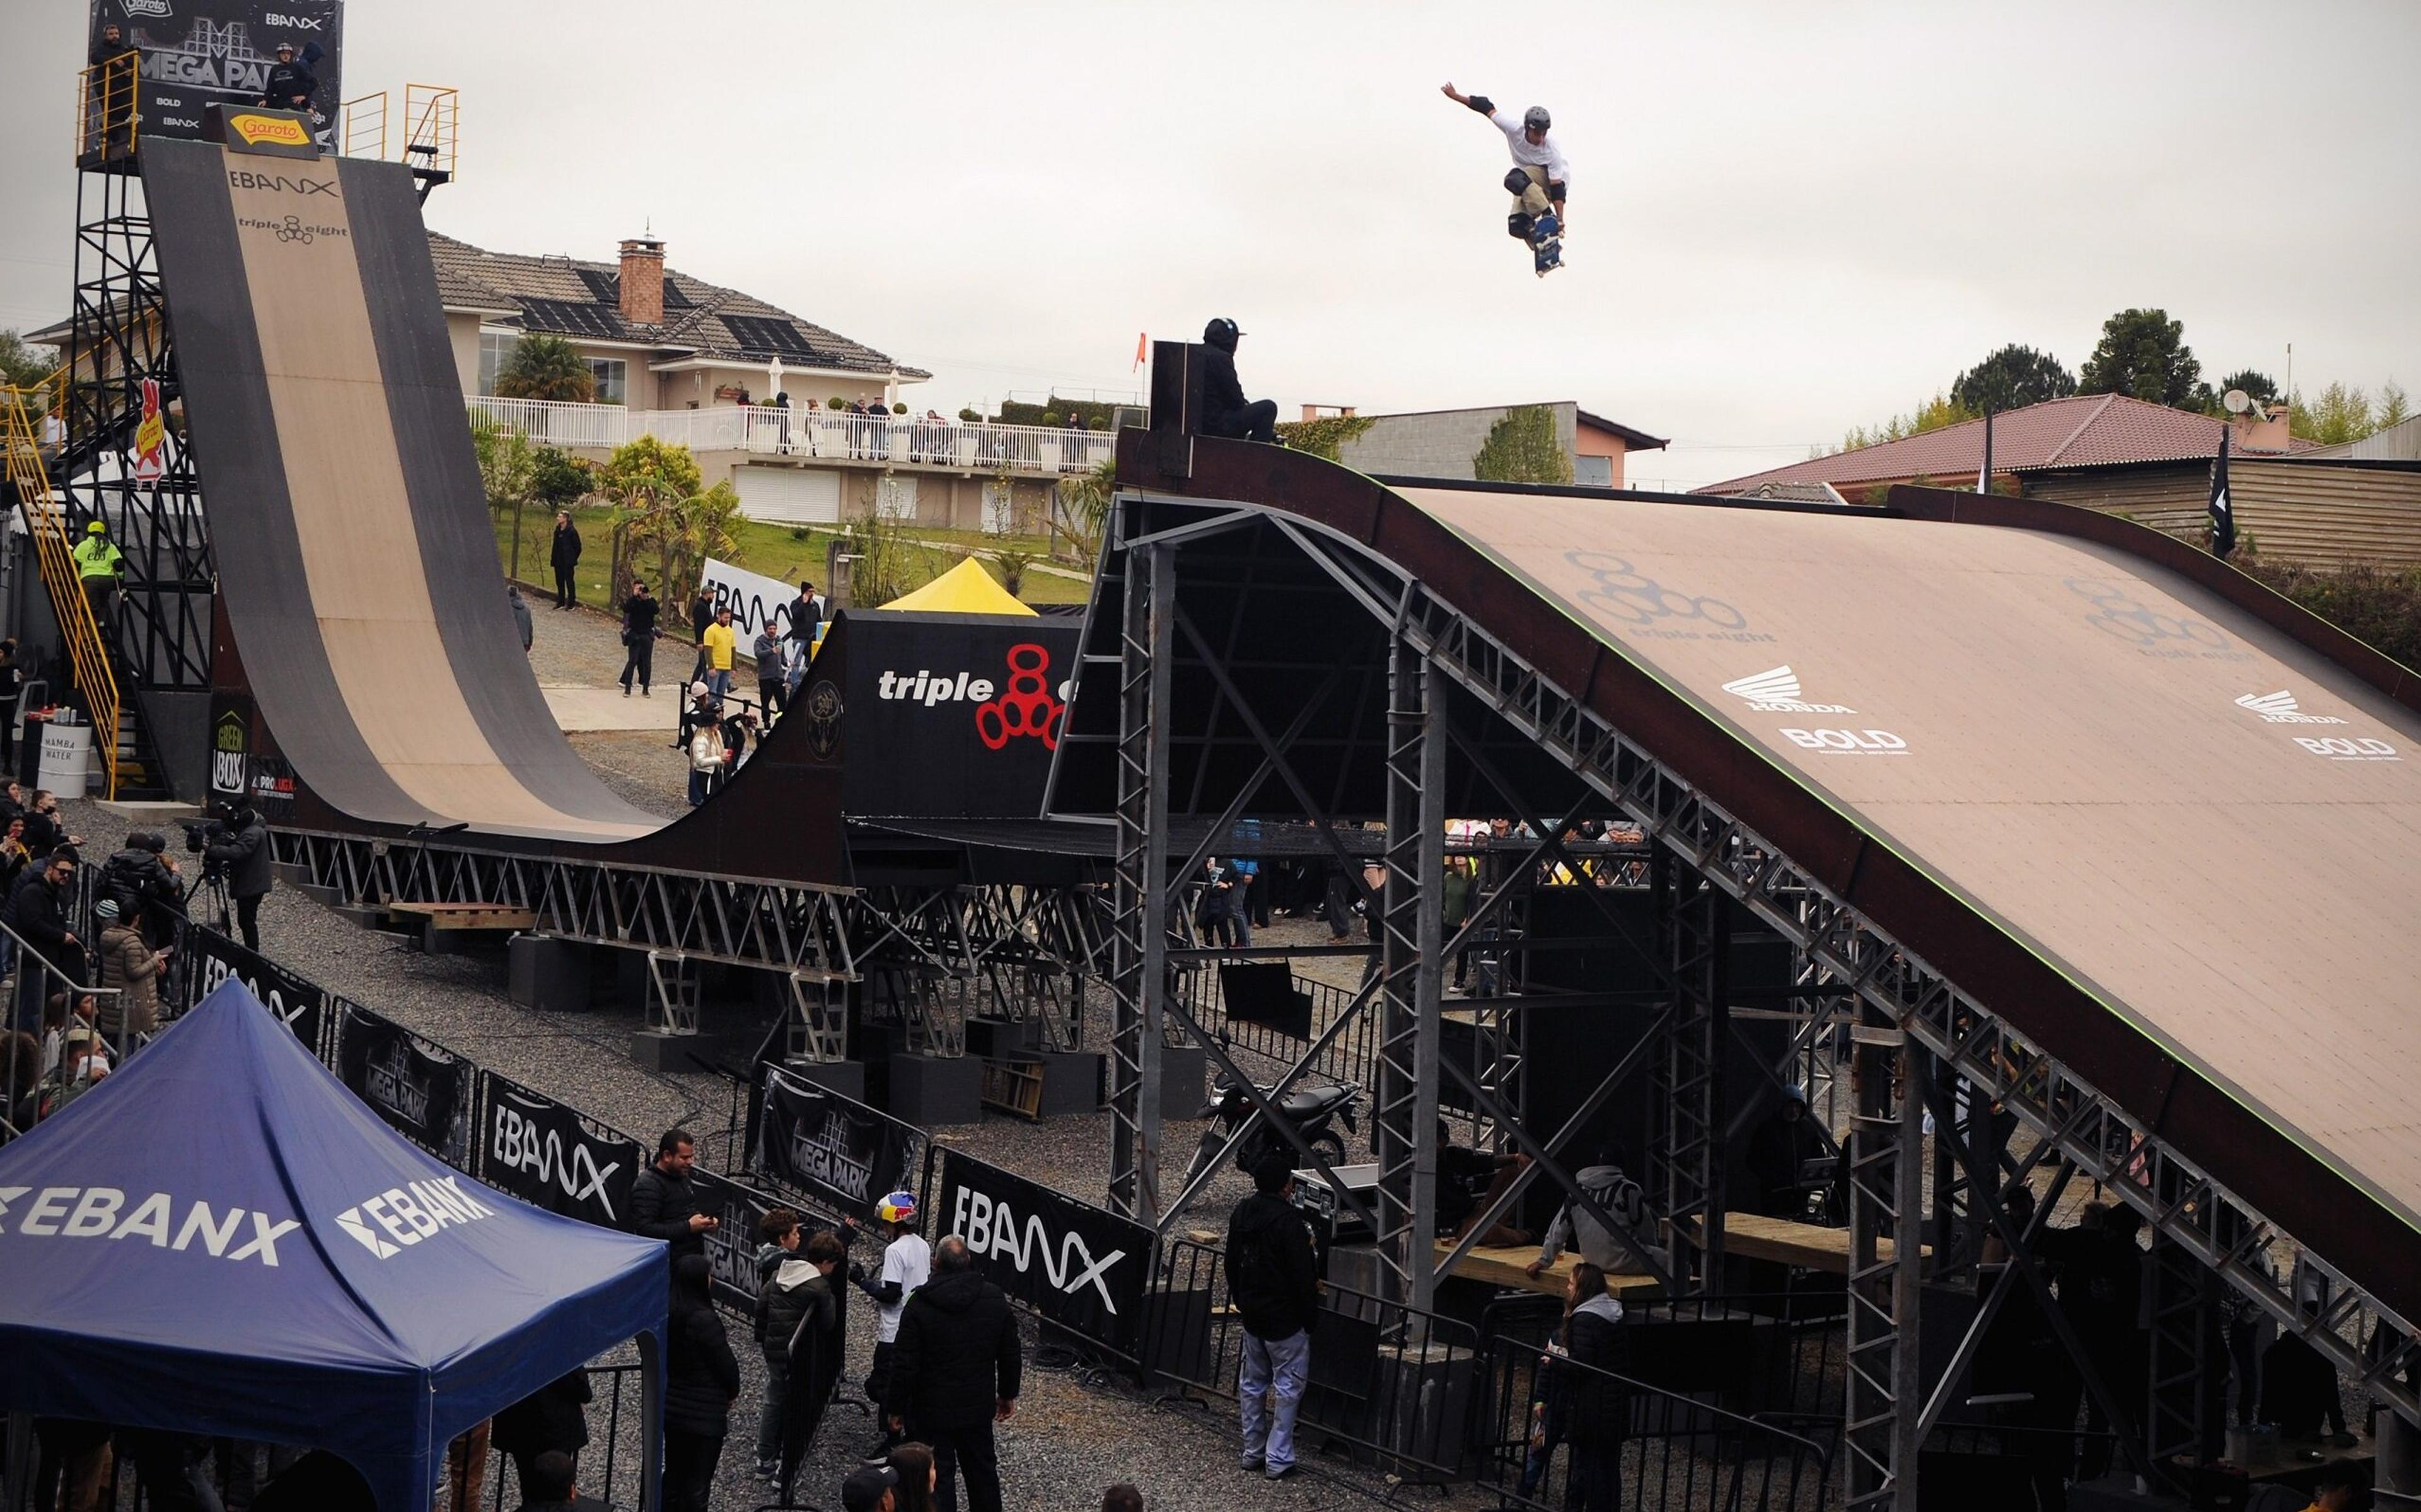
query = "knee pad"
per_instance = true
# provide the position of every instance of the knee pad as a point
(1517, 225)
(1517, 182)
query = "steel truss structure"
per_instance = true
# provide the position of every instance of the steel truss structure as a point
(119, 339)
(1915, 1039)
(928, 958)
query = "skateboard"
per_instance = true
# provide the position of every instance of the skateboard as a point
(1547, 244)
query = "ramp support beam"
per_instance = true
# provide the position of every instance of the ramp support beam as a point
(1694, 940)
(1139, 916)
(1412, 936)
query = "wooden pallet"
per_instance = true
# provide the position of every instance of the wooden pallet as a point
(1014, 1087)
(469, 915)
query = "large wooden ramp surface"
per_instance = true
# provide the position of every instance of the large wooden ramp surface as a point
(356, 563)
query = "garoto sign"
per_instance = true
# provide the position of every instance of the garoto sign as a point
(423, 1092)
(842, 1153)
(1081, 1267)
(547, 1154)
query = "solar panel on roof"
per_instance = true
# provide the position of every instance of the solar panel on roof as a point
(674, 298)
(572, 318)
(758, 335)
(603, 285)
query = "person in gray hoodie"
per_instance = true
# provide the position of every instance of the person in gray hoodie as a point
(1575, 1226)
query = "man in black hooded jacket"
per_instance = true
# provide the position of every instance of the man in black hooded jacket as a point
(1225, 410)
(1274, 1281)
(954, 1372)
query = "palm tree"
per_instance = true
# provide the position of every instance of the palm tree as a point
(542, 367)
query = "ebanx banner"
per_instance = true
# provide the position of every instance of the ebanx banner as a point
(545, 1154)
(205, 957)
(1081, 1267)
(842, 1153)
(424, 1093)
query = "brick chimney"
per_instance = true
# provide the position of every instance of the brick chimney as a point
(643, 281)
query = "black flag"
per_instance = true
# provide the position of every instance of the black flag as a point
(2222, 510)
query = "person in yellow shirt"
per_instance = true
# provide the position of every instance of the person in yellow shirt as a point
(718, 643)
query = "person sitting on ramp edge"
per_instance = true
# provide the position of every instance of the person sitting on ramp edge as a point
(1225, 410)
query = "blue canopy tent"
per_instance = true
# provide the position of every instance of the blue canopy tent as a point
(222, 1239)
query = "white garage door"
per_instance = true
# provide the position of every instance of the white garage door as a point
(792, 495)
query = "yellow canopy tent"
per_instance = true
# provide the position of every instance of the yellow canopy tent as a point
(964, 589)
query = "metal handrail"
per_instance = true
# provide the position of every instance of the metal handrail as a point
(362, 124)
(21, 952)
(432, 125)
(87, 651)
(107, 93)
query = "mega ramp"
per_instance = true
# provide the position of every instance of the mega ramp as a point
(2160, 822)
(355, 562)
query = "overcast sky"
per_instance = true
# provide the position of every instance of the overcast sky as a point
(1788, 218)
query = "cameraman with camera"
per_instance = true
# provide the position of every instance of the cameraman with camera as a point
(143, 879)
(236, 849)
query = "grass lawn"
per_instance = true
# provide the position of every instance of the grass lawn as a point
(786, 552)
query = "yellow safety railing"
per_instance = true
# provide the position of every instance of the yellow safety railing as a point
(88, 652)
(431, 118)
(107, 96)
(363, 133)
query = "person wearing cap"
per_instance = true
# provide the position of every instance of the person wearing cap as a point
(868, 1488)
(240, 847)
(707, 754)
(1540, 176)
(131, 967)
(639, 613)
(289, 86)
(955, 1371)
(701, 707)
(907, 1264)
(1274, 1283)
(1226, 411)
(98, 565)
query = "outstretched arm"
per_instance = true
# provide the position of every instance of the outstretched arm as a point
(1478, 102)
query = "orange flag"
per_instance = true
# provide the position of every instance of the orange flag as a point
(1143, 349)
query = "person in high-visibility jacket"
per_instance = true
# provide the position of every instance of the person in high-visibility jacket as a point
(98, 565)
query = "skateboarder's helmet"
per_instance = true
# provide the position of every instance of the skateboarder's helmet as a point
(1535, 118)
(898, 1208)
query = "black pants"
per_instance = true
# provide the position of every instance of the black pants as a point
(567, 592)
(640, 662)
(689, 1469)
(1597, 1476)
(1256, 421)
(966, 1451)
(247, 918)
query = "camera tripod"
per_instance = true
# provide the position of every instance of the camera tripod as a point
(210, 887)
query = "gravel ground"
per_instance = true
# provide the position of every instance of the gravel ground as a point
(1075, 1431)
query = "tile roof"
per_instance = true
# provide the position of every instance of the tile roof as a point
(575, 297)
(2086, 430)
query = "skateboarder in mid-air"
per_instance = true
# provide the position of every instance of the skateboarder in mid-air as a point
(1537, 182)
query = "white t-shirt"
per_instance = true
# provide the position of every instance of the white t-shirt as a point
(908, 1260)
(1548, 154)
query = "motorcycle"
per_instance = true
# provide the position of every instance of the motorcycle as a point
(1313, 1112)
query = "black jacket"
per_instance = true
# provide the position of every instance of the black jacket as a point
(1600, 1406)
(548, 1418)
(288, 82)
(243, 847)
(34, 912)
(701, 1376)
(639, 618)
(1223, 393)
(1272, 1275)
(661, 1207)
(140, 881)
(958, 1351)
(806, 620)
(565, 552)
(42, 835)
(780, 1308)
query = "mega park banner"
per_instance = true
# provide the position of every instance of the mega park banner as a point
(200, 53)
(979, 698)
(424, 1092)
(1081, 1267)
(205, 957)
(550, 1157)
(839, 1151)
(731, 1248)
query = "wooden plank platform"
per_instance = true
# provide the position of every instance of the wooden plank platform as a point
(1500, 1266)
(469, 915)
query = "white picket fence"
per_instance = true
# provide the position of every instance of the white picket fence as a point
(771, 432)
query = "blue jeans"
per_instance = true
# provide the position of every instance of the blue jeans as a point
(1278, 1370)
(718, 683)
